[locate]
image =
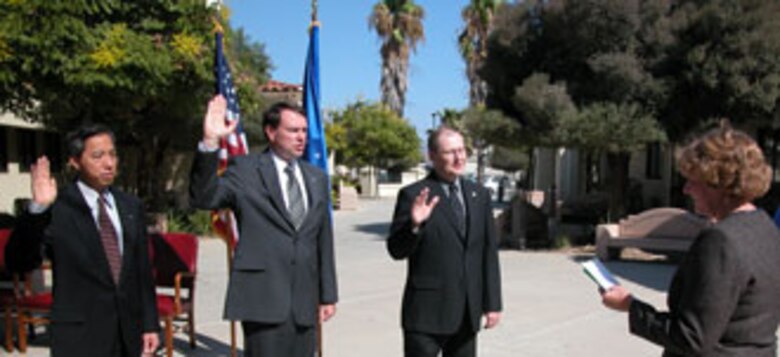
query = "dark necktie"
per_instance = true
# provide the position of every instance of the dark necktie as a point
(109, 239)
(457, 207)
(295, 204)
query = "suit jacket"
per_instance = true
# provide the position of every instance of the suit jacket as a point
(447, 275)
(724, 299)
(277, 270)
(89, 307)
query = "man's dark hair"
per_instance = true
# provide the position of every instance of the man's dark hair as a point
(79, 136)
(433, 137)
(273, 115)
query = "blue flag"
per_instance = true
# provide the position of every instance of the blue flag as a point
(316, 149)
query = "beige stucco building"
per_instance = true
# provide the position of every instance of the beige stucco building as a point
(20, 144)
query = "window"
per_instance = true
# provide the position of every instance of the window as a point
(26, 149)
(390, 176)
(53, 151)
(653, 161)
(3, 149)
(592, 172)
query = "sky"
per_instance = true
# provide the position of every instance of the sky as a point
(350, 62)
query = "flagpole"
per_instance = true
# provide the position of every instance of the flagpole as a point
(315, 22)
(232, 323)
(233, 343)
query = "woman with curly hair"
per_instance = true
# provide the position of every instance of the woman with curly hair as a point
(724, 299)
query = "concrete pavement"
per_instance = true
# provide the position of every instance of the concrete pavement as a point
(551, 308)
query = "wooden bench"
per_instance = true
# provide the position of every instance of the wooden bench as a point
(658, 229)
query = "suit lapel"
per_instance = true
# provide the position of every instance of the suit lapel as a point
(312, 189)
(271, 181)
(470, 199)
(436, 189)
(85, 223)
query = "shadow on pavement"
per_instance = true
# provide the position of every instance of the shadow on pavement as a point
(379, 229)
(206, 346)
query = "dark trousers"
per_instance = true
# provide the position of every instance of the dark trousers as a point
(463, 343)
(272, 340)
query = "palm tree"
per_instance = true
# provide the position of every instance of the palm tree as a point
(478, 18)
(399, 24)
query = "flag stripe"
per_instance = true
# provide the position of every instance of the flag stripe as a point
(223, 222)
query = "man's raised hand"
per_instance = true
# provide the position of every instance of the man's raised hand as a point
(214, 125)
(44, 187)
(422, 207)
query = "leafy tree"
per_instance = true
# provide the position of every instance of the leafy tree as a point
(601, 49)
(510, 158)
(373, 135)
(472, 42)
(547, 111)
(725, 62)
(613, 129)
(568, 69)
(336, 137)
(251, 68)
(143, 68)
(399, 25)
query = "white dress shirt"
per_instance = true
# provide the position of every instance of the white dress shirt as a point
(91, 196)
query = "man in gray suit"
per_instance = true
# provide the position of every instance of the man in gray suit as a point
(283, 276)
(443, 226)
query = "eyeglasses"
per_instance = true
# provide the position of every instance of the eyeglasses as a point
(454, 152)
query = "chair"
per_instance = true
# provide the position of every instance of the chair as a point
(174, 258)
(32, 308)
(6, 292)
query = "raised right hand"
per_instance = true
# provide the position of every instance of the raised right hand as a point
(44, 187)
(422, 207)
(214, 125)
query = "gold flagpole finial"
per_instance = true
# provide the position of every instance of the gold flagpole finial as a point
(217, 25)
(314, 21)
(216, 15)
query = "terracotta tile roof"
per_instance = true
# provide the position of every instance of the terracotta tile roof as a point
(276, 86)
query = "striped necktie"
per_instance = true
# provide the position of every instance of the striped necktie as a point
(457, 207)
(295, 205)
(109, 239)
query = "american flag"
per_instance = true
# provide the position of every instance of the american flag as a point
(235, 144)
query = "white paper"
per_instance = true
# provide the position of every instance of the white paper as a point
(599, 273)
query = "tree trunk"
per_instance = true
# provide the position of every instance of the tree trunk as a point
(617, 181)
(393, 82)
(529, 183)
(480, 163)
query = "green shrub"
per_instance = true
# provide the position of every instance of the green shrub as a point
(196, 222)
(562, 241)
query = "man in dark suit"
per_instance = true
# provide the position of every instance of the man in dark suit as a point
(95, 237)
(443, 226)
(283, 277)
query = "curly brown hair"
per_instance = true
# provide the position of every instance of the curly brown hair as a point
(729, 160)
